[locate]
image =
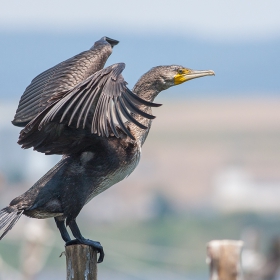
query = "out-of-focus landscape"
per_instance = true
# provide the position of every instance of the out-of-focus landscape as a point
(209, 168)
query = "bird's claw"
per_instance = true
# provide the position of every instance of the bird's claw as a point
(95, 244)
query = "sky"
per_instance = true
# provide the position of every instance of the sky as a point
(239, 40)
(231, 20)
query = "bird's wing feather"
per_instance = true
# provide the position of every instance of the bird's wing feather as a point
(95, 107)
(45, 88)
(89, 105)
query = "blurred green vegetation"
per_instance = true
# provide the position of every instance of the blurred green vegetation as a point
(169, 242)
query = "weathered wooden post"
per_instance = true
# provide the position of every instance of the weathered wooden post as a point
(81, 262)
(224, 259)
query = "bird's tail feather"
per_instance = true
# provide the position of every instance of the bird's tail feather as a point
(8, 218)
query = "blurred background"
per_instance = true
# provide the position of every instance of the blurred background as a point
(210, 168)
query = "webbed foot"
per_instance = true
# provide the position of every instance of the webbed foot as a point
(95, 244)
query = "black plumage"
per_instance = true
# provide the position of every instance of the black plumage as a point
(88, 115)
(54, 82)
(89, 106)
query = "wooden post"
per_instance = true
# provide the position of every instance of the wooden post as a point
(224, 259)
(81, 262)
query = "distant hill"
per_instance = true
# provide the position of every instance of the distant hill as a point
(242, 68)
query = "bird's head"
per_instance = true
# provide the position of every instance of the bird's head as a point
(160, 78)
(172, 75)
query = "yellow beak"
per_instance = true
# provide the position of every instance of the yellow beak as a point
(189, 74)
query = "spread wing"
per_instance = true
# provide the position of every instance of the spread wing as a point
(56, 81)
(97, 106)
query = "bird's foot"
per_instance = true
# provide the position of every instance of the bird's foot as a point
(95, 244)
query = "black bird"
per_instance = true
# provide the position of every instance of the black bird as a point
(88, 115)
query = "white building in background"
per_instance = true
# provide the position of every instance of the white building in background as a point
(235, 191)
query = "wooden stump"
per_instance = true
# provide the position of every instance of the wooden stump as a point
(224, 259)
(81, 262)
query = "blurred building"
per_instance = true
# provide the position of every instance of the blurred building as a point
(236, 190)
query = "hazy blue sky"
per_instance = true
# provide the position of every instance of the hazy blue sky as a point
(238, 39)
(212, 19)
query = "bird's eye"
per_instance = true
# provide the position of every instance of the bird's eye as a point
(180, 71)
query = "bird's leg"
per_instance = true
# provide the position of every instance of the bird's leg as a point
(63, 231)
(81, 240)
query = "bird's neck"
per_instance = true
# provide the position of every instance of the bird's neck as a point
(148, 92)
(146, 89)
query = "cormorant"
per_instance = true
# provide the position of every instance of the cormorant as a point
(88, 115)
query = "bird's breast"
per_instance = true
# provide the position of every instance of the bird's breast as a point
(117, 167)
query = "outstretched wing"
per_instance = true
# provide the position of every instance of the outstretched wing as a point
(98, 106)
(56, 81)
(97, 101)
